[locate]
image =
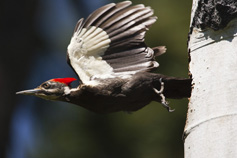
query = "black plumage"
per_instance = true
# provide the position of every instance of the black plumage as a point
(126, 26)
(108, 53)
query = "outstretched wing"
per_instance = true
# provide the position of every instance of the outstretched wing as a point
(110, 43)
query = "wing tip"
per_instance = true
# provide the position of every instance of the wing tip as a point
(159, 50)
(125, 2)
(78, 25)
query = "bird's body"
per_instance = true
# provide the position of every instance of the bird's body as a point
(116, 94)
(108, 53)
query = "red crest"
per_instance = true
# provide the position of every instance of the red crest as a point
(66, 81)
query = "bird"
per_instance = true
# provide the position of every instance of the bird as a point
(115, 67)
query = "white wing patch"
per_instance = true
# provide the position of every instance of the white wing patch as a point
(85, 50)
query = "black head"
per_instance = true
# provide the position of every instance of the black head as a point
(53, 89)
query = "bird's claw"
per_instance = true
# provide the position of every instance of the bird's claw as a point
(160, 93)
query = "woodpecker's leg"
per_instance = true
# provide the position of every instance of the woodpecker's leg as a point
(160, 93)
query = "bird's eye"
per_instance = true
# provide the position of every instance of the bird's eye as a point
(45, 85)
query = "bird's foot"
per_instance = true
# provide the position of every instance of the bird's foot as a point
(160, 93)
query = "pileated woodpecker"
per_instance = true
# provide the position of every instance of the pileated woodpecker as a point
(108, 53)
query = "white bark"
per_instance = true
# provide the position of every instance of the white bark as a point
(211, 127)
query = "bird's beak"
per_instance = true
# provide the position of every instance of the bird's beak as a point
(30, 92)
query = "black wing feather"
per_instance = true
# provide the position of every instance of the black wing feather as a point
(114, 10)
(96, 14)
(120, 15)
(126, 27)
(129, 21)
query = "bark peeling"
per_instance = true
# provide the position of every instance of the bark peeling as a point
(215, 14)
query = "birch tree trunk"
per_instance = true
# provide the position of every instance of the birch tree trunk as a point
(211, 127)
